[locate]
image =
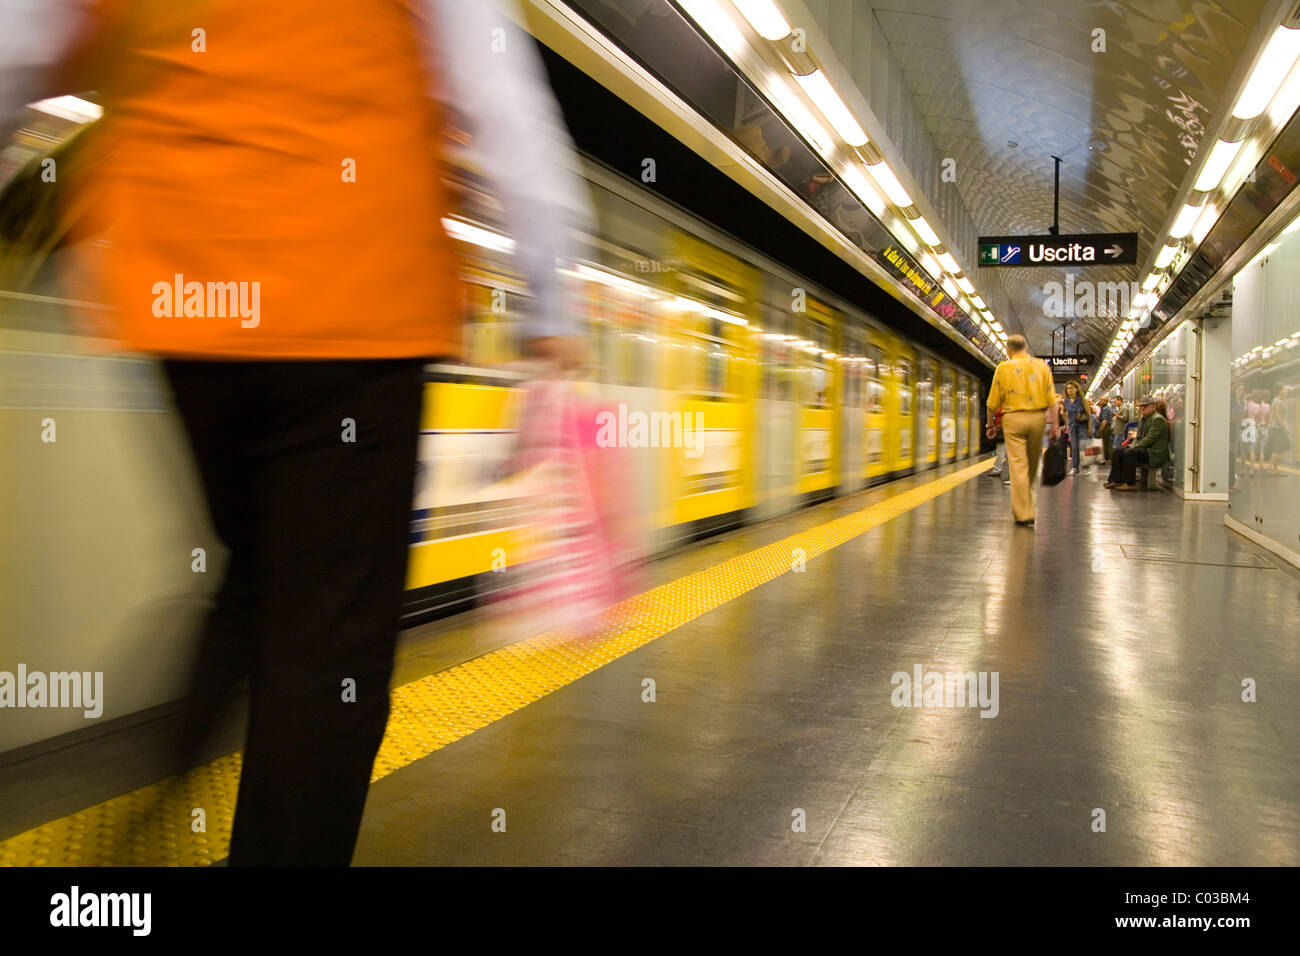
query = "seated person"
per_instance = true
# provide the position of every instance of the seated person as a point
(1149, 449)
(1121, 429)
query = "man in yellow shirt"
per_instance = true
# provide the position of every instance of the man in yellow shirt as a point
(1022, 389)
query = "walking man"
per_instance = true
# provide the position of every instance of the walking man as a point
(1022, 390)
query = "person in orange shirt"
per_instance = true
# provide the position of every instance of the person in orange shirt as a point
(1022, 390)
(270, 173)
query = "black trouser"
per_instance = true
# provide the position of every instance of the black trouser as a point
(1125, 465)
(317, 528)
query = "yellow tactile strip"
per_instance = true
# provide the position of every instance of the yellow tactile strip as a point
(157, 824)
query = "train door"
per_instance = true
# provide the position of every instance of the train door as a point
(927, 414)
(903, 419)
(947, 414)
(777, 408)
(963, 416)
(976, 416)
(852, 373)
(818, 386)
(879, 456)
(712, 383)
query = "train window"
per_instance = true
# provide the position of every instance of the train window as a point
(704, 351)
(815, 371)
(875, 373)
(773, 323)
(925, 389)
(850, 366)
(904, 372)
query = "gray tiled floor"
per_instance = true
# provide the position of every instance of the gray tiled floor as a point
(1119, 689)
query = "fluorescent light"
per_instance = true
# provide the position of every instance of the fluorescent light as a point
(690, 305)
(977, 302)
(764, 17)
(1272, 68)
(709, 15)
(1285, 101)
(608, 278)
(1151, 282)
(821, 92)
(799, 116)
(997, 327)
(888, 182)
(1205, 222)
(922, 229)
(930, 264)
(1165, 257)
(949, 286)
(1186, 219)
(864, 190)
(1217, 164)
(477, 235)
(70, 108)
(966, 285)
(948, 262)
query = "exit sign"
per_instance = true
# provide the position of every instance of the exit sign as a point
(1092, 249)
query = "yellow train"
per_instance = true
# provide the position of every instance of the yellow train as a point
(800, 395)
(105, 551)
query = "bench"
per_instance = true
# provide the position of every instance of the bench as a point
(1166, 472)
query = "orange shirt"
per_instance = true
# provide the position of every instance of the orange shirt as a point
(1021, 383)
(224, 173)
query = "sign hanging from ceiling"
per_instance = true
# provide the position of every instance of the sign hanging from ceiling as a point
(1067, 364)
(1093, 249)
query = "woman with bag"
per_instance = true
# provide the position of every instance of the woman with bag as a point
(1078, 415)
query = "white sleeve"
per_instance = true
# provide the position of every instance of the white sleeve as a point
(491, 72)
(35, 36)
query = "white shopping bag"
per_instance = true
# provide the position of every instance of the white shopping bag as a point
(1090, 448)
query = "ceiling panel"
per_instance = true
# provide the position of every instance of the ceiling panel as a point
(1004, 86)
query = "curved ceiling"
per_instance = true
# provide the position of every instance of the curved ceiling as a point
(1003, 86)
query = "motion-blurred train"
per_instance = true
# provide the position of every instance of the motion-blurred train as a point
(800, 395)
(106, 557)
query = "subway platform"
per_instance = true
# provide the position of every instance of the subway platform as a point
(750, 707)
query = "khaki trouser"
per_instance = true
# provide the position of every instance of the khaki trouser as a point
(1024, 436)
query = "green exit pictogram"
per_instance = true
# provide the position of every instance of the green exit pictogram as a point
(988, 255)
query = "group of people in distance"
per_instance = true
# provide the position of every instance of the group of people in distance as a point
(1023, 405)
(1260, 426)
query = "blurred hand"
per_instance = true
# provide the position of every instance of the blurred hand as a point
(1055, 432)
(565, 352)
(991, 431)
